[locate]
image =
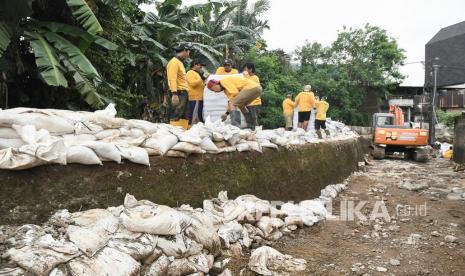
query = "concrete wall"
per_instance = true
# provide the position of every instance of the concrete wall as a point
(31, 196)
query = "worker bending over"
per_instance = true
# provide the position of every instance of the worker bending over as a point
(226, 69)
(305, 101)
(288, 111)
(322, 107)
(177, 83)
(255, 106)
(240, 92)
(448, 154)
(195, 80)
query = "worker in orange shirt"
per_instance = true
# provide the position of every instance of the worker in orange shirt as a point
(226, 69)
(448, 154)
(255, 106)
(195, 80)
(288, 111)
(305, 101)
(177, 83)
(322, 107)
(240, 93)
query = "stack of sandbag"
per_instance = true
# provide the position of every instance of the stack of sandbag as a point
(31, 137)
(144, 238)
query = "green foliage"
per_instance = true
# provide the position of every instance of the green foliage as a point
(447, 118)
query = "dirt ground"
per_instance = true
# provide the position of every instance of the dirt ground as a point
(411, 241)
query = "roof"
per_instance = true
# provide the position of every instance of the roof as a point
(449, 32)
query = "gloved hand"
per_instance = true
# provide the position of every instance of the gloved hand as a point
(224, 117)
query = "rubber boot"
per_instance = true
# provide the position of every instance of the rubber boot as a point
(250, 120)
(235, 116)
(320, 135)
(328, 134)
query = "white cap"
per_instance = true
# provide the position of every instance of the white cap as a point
(307, 87)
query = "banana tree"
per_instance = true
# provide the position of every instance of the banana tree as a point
(59, 48)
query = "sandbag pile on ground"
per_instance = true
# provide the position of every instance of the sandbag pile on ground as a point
(144, 238)
(32, 137)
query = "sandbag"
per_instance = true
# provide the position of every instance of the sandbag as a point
(139, 249)
(86, 127)
(108, 261)
(134, 154)
(154, 219)
(8, 133)
(147, 127)
(161, 142)
(30, 135)
(158, 267)
(82, 155)
(137, 132)
(208, 145)
(107, 133)
(105, 151)
(11, 159)
(268, 261)
(188, 148)
(54, 124)
(176, 154)
(179, 246)
(11, 143)
(77, 139)
(51, 152)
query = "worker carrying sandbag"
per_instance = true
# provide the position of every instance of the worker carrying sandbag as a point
(195, 80)
(322, 107)
(448, 154)
(178, 86)
(240, 92)
(255, 106)
(288, 111)
(226, 69)
(305, 101)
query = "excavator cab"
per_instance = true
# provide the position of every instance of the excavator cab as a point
(391, 134)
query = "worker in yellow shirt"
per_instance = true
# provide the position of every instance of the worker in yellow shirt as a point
(448, 154)
(322, 107)
(195, 81)
(240, 92)
(177, 83)
(226, 69)
(305, 101)
(288, 111)
(255, 106)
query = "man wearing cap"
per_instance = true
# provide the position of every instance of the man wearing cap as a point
(288, 111)
(306, 102)
(240, 92)
(196, 85)
(226, 69)
(178, 86)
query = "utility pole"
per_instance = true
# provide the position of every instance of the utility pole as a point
(432, 123)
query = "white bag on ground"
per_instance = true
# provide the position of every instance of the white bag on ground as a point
(82, 155)
(188, 148)
(8, 133)
(268, 261)
(161, 142)
(11, 143)
(105, 151)
(51, 152)
(13, 160)
(107, 133)
(208, 145)
(134, 154)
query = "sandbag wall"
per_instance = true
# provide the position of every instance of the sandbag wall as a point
(283, 174)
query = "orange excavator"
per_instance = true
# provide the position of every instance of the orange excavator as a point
(392, 134)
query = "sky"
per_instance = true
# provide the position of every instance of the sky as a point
(411, 22)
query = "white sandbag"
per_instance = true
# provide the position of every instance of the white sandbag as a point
(54, 124)
(110, 110)
(230, 232)
(188, 148)
(158, 267)
(107, 133)
(125, 131)
(134, 154)
(82, 155)
(208, 145)
(92, 229)
(228, 149)
(105, 151)
(154, 219)
(137, 132)
(11, 143)
(316, 207)
(201, 262)
(178, 246)
(139, 249)
(242, 147)
(147, 127)
(77, 139)
(51, 152)
(44, 255)
(254, 146)
(268, 261)
(176, 154)
(11, 159)
(8, 133)
(180, 267)
(29, 134)
(152, 152)
(86, 127)
(161, 142)
(204, 234)
(267, 144)
(108, 261)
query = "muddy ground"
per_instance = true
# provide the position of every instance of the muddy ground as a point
(411, 241)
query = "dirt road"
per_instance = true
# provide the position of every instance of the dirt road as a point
(420, 232)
